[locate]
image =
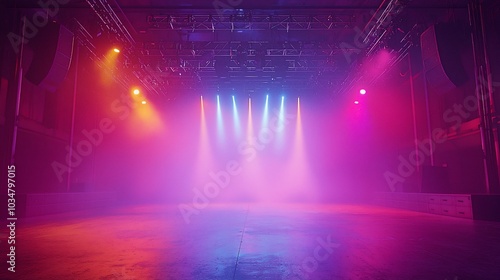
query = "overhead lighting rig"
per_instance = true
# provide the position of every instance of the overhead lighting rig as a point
(250, 21)
(119, 33)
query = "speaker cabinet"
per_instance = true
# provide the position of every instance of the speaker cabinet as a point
(52, 48)
(442, 47)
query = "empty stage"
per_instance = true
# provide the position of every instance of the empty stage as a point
(244, 241)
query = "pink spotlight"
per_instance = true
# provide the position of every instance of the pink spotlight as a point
(362, 91)
(356, 102)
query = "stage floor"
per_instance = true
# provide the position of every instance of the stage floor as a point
(257, 242)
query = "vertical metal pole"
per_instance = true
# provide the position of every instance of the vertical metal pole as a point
(488, 84)
(18, 95)
(73, 113)
(428, 113)
(412, 91)
(484, 97)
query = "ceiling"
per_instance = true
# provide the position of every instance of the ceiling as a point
(273, 4)
(294, 45)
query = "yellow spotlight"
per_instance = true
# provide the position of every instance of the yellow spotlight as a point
(143, 102)
(116, 50)
(136, 91)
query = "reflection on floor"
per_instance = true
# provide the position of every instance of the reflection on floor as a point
(257, 242)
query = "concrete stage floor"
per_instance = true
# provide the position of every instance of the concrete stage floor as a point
(256, 242)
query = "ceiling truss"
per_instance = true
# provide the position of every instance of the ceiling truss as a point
(249, 21)
(170, 62)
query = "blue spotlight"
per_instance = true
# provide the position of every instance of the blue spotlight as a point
(220, 124)
(265, 117)
(218, 105)
(236, 119)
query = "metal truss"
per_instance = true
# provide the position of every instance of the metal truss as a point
(377, 27)
(381, 29)
(150, 80)
(234, 48)
(192, 66)
(249, 21)
(161, 65)
(262, 56)
(111, 21)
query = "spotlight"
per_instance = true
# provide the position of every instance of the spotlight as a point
(266, 112)
(362, 91)
(143, 102)
(116, 50)
(136, 91)
(356, 102)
